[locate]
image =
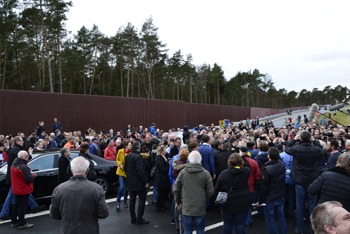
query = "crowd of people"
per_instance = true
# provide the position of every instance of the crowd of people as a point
(273, 170)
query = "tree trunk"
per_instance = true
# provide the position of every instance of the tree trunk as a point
(59, 60)
(132, 78)
(218, 87)
(121, 77)
(70, 79)
(18, 71)
(93, 72)
(84, 77)
(0, 57)
(42, 55)
(47, 50)
(178, 85)
(5, 56)
(190, 88)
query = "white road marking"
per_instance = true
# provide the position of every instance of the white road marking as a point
(46, 212)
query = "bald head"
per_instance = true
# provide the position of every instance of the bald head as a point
(23, 155)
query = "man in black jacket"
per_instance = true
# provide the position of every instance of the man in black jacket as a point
(304, 172)
(63, 164)
(176, 147)
(136, 183)
(272, 191)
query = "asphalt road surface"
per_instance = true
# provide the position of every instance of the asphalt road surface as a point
(279, 121)
(119, 222)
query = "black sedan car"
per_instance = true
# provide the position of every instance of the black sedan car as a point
(45, 166)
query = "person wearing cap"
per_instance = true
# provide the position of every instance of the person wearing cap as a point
(84, 152)
(94, 148)
(254, 177)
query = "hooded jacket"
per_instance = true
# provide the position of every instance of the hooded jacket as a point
(22, 178)
(192, 188)
(239, 200)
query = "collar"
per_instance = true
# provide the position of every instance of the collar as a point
(335, 151)
(78, 176)
(206, 144)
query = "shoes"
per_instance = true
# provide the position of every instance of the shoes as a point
(126, 205)
(142, 221)
(154, 202)
(172, 223)
(297, 232)
(146, 203)
(133, 221)
(25, 226)
(5, 218)
(118, 207)
(14, 225)
(38, 209)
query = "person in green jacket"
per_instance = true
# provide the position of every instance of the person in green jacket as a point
(192, 188)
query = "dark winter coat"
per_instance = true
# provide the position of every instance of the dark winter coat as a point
(11, 157)
(136, 178)
(333, 185)
(273, 179)
(63, 164)
(239, 200)
(305, 161)
(161, 179)
(220, 161)
(92, 173)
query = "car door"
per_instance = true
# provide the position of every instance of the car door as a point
(46, 170)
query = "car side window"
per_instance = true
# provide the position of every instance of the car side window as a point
(73, 155)
(42, 163)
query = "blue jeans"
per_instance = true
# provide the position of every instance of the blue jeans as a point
(120, 191)
(248, 218)
(291, 198)
(188, 224)
(10, 199)
(155, 189)
(300, 194)
(272, 209)
(257, 197)
(234, 219)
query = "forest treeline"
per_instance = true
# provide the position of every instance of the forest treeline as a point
(37, 53)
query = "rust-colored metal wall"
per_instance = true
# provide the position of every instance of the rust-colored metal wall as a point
(22, 110)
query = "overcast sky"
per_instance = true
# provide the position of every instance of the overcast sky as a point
(301, 44)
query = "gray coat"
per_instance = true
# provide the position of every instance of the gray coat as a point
(79, 203)
(192, 188)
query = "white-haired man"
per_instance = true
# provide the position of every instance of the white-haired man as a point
(330, 217)
(79, 203)
(193, 187)
(22, 186)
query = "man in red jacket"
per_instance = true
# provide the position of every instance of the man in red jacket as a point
(22, 186)
(253, 178)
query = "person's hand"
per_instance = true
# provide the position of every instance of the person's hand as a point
(146, 186)
(179, 206)
(257, 204)
(121, 166)
(297, 137)
(312, 138)
(214, 176)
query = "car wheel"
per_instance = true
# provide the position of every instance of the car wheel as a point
(103, 182)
